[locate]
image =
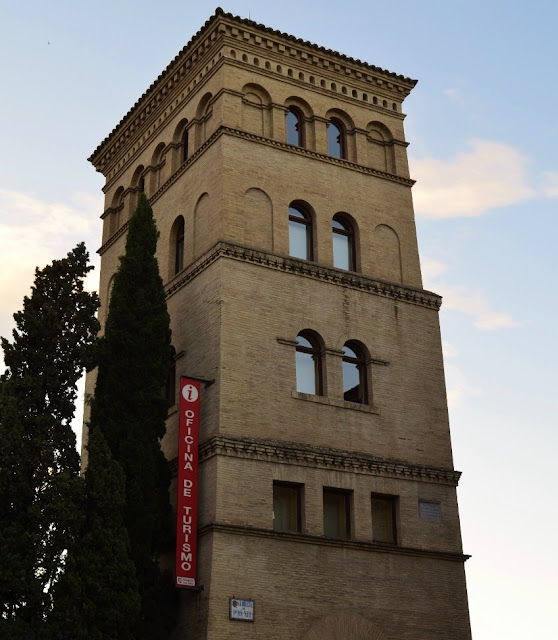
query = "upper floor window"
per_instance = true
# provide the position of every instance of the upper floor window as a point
(184, 146)
(308, 364)
(336, 139)
(300, 233)
(354, 374)
(337, 513)
(295, 128)
(179, 246)
(384, 518)
(286, 507)
(343, 244)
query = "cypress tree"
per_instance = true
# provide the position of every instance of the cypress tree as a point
(39, 465)
(97, 596)
(130, 410)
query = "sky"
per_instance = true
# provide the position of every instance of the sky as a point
(483, 136)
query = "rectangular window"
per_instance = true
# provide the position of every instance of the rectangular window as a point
(383, 518)
(337, 513)
(286, 506)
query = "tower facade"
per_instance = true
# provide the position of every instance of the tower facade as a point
(278, 176)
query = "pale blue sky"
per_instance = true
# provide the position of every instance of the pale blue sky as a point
(483, 131)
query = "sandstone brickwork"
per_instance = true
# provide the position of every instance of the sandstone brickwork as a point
(208, 144)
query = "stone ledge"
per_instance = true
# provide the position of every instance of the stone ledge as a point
(304, 538)
(323, 458)
(335, 402)
(308, 269)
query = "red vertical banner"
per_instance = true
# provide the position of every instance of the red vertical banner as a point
(187, 498)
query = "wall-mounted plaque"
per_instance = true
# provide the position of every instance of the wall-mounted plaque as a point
(241, 609)
(430, 510)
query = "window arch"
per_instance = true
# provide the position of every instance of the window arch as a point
(308, 364)
(295, 127)
(300, 233)
(336, 139)
(355, 384)
(344, 254)
(138, 181)
(184, 147)
(178, 237)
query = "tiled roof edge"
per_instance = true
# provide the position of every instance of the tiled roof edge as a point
(261, 27)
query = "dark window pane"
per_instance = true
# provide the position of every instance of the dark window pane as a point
(336, 514)
(354, 376)
(334, 142)
(185, 146)
(286, 507)
(383, 519)
(293, 129)
(179, 248)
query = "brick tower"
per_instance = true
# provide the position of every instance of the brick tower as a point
(277, 171)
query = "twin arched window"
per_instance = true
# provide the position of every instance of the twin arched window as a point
(336, 140)
(300, 233)
(184, 146)
(308, 364)
(179, 245)
(343, 236)
(355, 387)
(295, 127)
(343, 243)
(309, 370)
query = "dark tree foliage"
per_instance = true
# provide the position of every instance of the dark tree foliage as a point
(129, 408)
(97, 597)
(39, 465)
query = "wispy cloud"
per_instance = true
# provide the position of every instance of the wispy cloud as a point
(488, 176)
(449, 350)
(473, 303)
(432, 269)
(458, 387)
(551, 184)
(461, 298)
(33, 233)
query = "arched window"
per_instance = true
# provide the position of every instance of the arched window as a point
(343, 243)
(295, 127)
(355, 387)
(336, 139)
(179, 246)
(308, 364)
(184, 146)
(141, 184)
(300, 233)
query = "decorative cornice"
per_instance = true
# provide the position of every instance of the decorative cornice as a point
(304, 455)
(168, 85)
(293, 51)
(304, 538)
(270, 142)
(307, 269)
